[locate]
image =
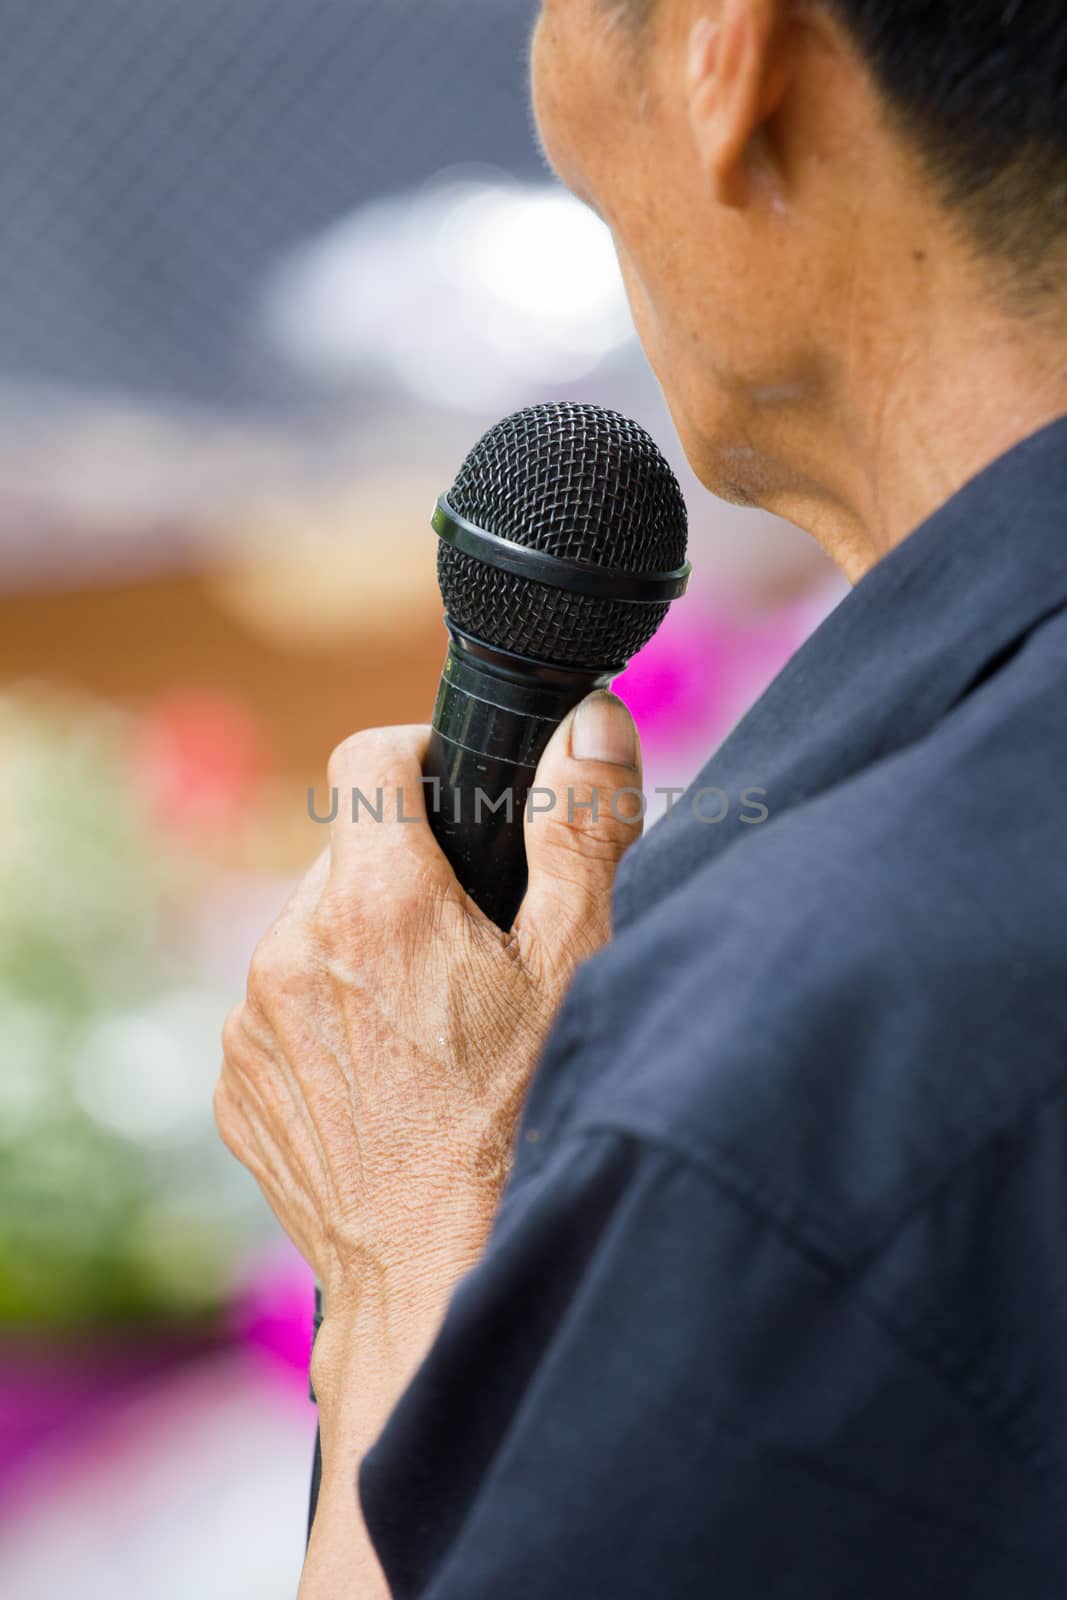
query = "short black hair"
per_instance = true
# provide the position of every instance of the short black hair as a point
(980, 87)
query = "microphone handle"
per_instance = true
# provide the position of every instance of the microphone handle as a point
(316, 1465)
(495, 715)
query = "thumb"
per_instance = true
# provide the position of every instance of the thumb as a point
(584, 813)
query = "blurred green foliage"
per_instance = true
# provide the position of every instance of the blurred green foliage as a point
(117, 1205)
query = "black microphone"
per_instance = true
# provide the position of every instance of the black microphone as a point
(563, 543)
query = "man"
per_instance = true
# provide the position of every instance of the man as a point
(775, 1300)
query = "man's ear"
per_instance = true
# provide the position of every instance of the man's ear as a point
(738, 70)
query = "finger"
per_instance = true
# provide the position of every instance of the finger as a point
(586, 813)
(381, 811)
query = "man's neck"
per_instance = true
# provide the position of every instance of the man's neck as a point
(930, 393)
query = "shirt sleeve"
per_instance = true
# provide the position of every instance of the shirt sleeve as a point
(647, 1390)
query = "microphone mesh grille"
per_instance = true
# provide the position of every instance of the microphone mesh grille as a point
(582, 484)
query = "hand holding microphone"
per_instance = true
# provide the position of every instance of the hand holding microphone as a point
(374, 1077)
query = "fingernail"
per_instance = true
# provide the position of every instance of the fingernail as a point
(604, 730)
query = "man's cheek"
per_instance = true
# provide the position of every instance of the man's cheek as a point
(572, 105)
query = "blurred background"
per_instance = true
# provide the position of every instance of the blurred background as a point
(267, 271)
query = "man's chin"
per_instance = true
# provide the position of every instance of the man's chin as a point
(733, 472)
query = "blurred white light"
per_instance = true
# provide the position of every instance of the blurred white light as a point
(149, 1075)
(463, 294)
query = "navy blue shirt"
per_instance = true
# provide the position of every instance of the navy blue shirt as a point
(776, 1304)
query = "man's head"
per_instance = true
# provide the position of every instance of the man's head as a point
(793, 183)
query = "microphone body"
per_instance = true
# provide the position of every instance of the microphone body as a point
(495, 714)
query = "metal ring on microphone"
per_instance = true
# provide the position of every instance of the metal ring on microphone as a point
(578, 577)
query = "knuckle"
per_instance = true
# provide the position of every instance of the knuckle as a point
(233, 1037)
(364, 755)
(365, 758)
(281, 962)
(345, 759)
(340, 920)
(227, 1116)
(596, 842)
(263, 969)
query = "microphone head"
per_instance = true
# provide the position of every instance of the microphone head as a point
(589, 490)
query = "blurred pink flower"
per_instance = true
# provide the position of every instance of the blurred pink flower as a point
(273, 1309)
(198, 759)
(705, 668)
